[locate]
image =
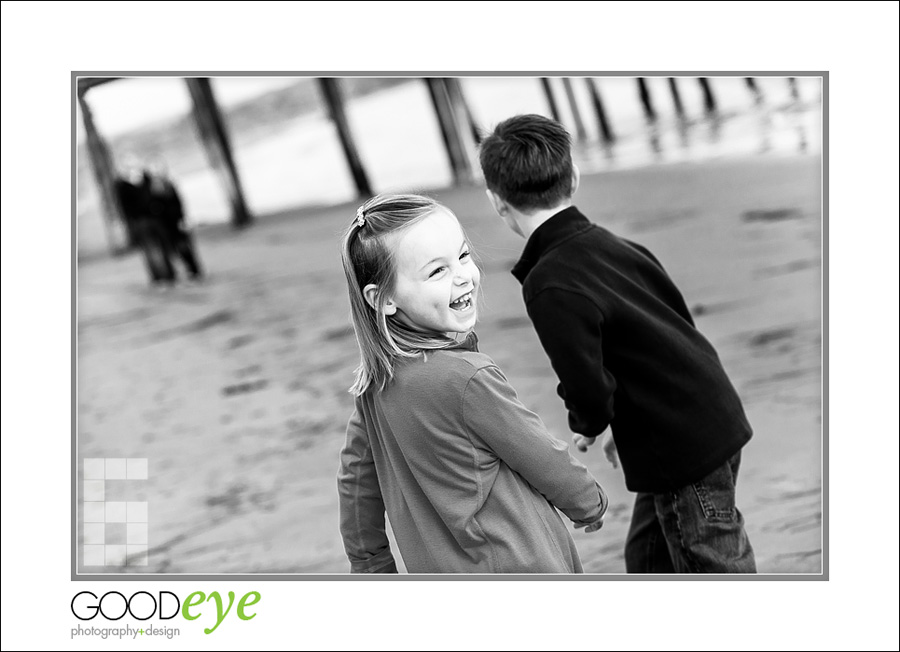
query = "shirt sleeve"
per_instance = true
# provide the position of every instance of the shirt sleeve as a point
(570, 327)
(493, 413)
(361, 505)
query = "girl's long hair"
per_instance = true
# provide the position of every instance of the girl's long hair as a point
(367, 259)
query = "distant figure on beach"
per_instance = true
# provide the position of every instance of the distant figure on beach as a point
(166, 206)
(469, 478)
(155, 218)
(628, 355)
(144, 228)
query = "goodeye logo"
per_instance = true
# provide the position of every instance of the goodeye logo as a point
(143, 606)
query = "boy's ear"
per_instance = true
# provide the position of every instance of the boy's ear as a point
(576, 177)
(370, 292)
(497, 202)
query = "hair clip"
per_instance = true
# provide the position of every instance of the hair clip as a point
(360, 218)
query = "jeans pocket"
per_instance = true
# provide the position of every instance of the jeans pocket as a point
(715, 494)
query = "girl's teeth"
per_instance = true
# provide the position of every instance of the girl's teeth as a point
(463, 302)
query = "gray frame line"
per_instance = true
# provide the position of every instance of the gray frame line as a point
(178, 577)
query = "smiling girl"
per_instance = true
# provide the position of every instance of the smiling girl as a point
(470, 479)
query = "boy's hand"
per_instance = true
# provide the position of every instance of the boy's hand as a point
(610, 450)
(581, 443)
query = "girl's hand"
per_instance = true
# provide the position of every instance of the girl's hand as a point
(593, 527)
(604, 505)
(590, 527)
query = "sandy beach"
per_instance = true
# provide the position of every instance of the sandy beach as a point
(235, 390)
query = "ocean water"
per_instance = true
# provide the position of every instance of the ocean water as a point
(300, 162)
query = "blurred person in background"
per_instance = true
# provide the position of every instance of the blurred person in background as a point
(167, 209)
(142, 220)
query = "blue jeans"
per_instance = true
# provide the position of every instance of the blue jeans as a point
(695, 529)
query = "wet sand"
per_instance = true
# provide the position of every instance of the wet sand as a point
(235, 389)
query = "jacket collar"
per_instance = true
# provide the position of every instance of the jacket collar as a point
(565, 224)
(470, 343)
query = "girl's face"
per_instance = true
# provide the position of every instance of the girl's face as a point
(436, 277)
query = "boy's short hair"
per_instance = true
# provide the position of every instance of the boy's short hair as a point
(527, 160)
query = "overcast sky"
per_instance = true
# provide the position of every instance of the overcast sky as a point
(128, 103)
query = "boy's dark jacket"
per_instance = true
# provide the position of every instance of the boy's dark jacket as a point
(627, 354)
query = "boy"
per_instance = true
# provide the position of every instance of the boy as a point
(622, 342)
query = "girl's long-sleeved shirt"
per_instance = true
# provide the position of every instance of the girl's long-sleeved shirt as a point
(467, 476)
